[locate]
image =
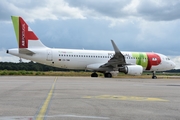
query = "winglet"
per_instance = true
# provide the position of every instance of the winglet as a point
(115, 47)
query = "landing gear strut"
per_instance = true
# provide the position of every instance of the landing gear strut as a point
(94, 74)
(107, 75)
(154, 75)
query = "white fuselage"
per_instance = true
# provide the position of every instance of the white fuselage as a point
(80, 59)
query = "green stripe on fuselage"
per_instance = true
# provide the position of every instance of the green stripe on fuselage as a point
(15, 21)
(141, 59)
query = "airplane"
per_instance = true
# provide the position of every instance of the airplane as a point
(109, 63)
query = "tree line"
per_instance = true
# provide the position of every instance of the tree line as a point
(28, 66)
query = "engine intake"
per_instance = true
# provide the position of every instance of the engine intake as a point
(131, 69)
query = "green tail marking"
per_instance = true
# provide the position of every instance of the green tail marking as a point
(15, 21)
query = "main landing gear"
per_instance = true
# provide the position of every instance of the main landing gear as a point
(154, 75)
(106, 75)
(94, 74)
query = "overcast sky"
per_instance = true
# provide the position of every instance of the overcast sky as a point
(134, 25)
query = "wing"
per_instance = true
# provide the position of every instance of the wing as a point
(117, 60)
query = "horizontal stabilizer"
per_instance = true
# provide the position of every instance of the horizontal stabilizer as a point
(25, 51)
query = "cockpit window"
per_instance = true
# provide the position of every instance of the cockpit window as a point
(167, 58)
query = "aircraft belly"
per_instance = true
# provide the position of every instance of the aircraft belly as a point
(158, 68)
(161, 67)
(76, 63)
(71, 65)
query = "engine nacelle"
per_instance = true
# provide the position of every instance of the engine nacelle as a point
(131, 69)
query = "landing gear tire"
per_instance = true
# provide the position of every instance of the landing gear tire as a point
(107, 75)
(94, 75)
(154, 75)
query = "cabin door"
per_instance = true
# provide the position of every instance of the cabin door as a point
(49, 55)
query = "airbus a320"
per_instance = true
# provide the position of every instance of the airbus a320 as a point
(107, 62)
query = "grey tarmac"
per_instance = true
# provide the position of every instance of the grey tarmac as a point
(85, 98)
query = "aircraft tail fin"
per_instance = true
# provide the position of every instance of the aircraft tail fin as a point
(26, 38)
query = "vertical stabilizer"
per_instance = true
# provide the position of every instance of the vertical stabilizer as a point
(26, 38)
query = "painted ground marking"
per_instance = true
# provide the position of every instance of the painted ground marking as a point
(44, 107)
(129, 98)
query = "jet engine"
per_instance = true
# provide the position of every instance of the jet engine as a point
(131, 69)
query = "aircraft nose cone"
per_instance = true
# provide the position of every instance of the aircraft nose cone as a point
(173, 65)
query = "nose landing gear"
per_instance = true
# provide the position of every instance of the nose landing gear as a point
(154, 75)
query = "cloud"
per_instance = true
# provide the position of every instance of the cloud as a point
(149, 10)
(159, 10)
(101, 8)
(42, 10)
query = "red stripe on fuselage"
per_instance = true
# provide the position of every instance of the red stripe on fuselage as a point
(153, 60)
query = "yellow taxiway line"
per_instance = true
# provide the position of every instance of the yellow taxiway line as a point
(44, 107)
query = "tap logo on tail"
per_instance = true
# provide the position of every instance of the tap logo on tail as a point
(23, 32)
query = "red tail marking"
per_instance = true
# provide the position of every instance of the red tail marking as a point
(23, 29)
(32, 36)
(24, 34)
